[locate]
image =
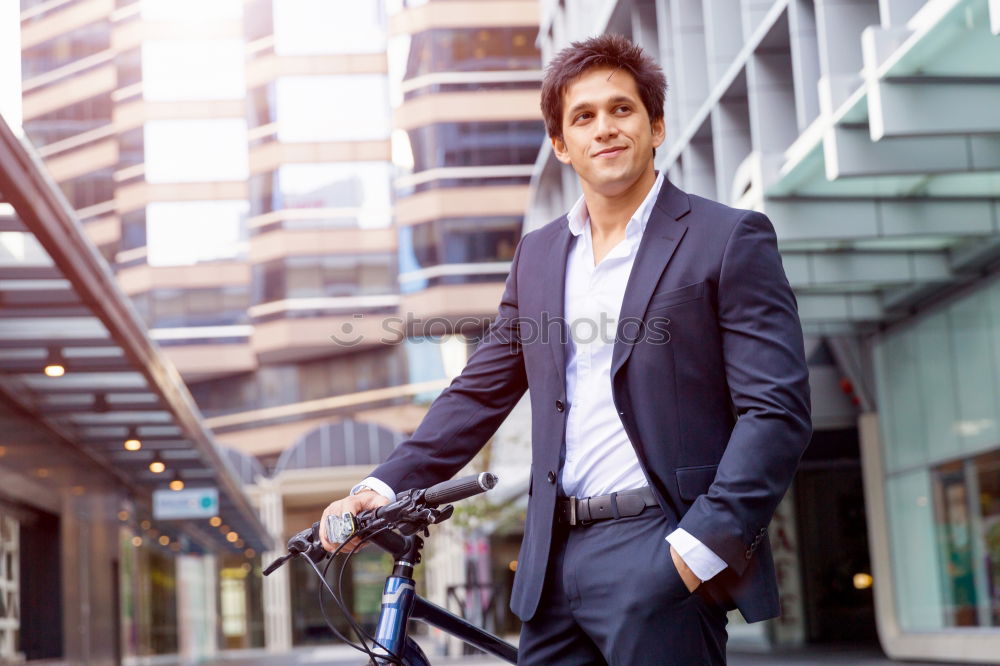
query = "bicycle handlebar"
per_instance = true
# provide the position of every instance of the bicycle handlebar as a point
(454, 490)
(413, 510)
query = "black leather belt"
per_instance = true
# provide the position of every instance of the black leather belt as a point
(586, 510)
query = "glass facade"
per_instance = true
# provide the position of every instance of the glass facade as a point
(310, 27)
(348, 107)
(69, 121)
(180, 233)
(940, 406)
(473, 50)
(65, 49)
(324, 276)
(185, 151)
(468, 144)
(190, 10)
(209, 306)
(203, 69)
(344, 194)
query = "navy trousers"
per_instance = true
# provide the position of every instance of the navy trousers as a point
(613, 596)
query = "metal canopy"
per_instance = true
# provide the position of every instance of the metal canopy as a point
(59, 302)
(894, 197)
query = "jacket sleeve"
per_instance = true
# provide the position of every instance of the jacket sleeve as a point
(469, 411)
(769, 386)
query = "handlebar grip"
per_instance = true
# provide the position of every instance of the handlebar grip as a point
(458, 489)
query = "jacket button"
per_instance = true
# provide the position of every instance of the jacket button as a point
(560, 405)
(748, 554)
(551, 476)
(762, 530)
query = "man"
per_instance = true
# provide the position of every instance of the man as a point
(680, 433)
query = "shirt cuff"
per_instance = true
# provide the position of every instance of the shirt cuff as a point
(378, 486)
(700, 559)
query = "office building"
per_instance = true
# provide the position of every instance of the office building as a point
(295, 195)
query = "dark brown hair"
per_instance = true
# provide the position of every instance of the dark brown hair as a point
(603, 51)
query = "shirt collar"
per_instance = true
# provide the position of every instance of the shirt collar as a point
(578, 216)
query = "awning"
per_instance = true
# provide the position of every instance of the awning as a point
(60, 305)
(892, 196)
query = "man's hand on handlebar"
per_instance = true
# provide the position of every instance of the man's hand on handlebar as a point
(355, 504)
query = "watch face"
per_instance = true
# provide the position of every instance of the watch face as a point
(340, 528)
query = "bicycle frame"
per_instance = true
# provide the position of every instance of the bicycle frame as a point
(401, 603)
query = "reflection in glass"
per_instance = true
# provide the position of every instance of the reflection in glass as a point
(182, 233)
(185, 151)
(967, 516)
(193, 69)
(325, 276)
(473, 50)
(362, 186)
(350, 107)
(303, 27)
(466, 144)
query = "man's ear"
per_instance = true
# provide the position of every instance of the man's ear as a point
(559, 148)
(659, 132)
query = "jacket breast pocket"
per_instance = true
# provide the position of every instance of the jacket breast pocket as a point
(667, 299)
(694, 481)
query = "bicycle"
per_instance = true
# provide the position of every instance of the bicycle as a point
(395, 528)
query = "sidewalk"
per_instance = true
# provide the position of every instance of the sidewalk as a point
(343, 656)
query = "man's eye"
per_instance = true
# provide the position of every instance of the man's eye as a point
(623, 108)
(582, 116)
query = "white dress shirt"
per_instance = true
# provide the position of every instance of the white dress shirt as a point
(599, 456)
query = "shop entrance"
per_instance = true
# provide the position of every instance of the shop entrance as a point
(833, 542)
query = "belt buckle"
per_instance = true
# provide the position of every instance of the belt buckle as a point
(572, 510)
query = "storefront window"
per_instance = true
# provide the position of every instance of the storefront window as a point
(350, 107)
(304, 27)
(967, 520)
(939, 410)
(185, 151)
(203, 69)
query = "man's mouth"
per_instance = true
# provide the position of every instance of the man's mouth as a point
(610, 152)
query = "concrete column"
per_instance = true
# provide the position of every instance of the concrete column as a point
(277, 599)
(197, 612)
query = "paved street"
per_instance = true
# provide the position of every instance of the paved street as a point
(344, 656)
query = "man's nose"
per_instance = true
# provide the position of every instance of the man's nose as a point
(606, 126)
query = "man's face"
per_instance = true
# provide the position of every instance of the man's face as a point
(608, 138)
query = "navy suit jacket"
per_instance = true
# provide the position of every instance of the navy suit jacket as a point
(708, 375)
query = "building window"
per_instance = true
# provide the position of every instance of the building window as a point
(184, 151)
(476, 144)
(90, 189)
(350, 107)
(210, 306)
(328, 275)
(304, 27)
(473, 49)
(193, 70)
(181, 233)
(66, 48)
(68, 121)
(191, 10)
(343, 194)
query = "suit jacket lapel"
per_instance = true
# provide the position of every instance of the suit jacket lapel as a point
(551, 322)
(661, 237)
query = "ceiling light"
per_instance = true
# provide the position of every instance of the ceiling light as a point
(132, 441)
(157, 466)
(176, 483)
(215, 521)
(54, 364)
(232, 537)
